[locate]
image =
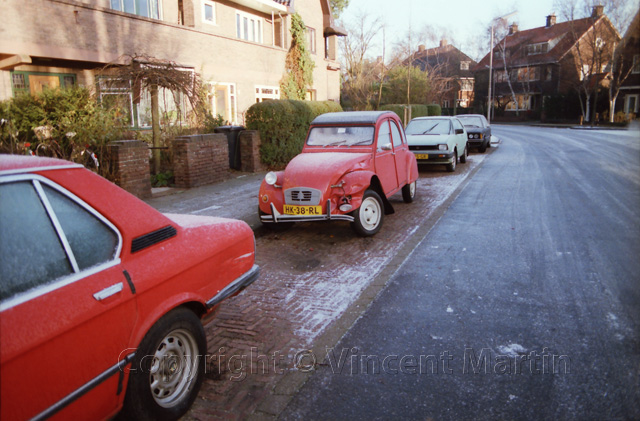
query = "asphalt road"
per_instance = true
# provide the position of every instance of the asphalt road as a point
(523, 302)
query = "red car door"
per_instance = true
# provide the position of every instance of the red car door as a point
(385, 160)
(401, 150)
(66, 308)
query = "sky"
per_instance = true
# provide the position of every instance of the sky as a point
(462, 22)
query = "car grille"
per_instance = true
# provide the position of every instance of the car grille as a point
(302, 196)
(423, 147)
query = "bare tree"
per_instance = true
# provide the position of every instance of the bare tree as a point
(359, 75)
(143, 72)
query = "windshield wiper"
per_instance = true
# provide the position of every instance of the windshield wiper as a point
(360, 142)
(335, 143)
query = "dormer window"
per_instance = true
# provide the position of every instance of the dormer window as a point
(464, 65)
(540, 48)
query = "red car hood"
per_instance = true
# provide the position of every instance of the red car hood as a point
(318, 170)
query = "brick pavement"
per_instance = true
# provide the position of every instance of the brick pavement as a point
(316, 279)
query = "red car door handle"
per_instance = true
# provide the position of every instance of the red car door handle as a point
(108, 292)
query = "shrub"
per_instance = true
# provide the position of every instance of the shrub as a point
(417, 110)
(62, 123)
(283, 126)
(434, 109)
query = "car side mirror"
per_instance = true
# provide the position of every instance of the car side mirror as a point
(387, 147)
(459, 131)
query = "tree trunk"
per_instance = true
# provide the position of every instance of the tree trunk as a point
(155, 124)
(612, 108)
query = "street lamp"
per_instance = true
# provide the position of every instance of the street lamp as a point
(489, 97)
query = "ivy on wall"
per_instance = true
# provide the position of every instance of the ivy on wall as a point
(299, 65)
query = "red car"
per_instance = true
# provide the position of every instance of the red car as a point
(351, 163)
(102, 298)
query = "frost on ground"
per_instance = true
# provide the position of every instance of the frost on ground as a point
(328, 290)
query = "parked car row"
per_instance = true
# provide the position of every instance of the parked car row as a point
(102, 298)
(353, 162)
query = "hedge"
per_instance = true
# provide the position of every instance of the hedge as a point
(417, 110)
(283, 126)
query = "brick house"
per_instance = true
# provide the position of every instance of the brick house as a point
(563, 58)
(629, 50)
(451, 71)
(238, 47)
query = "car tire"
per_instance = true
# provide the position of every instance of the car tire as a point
(175, 345)
(368, 218)
(409, 192)
(274, 226)
(483, 148)
(489, 142)
(452, 167)
(465, 153)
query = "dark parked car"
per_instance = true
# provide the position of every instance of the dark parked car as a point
(478, 131)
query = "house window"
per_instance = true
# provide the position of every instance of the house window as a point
(464, 65)
(146, 8)
(500, 76)
(631, 104)
(311, 95)
(636, 64)
(466, 84)
(524, 103)
(223, 102)
(445, 103)
(266, 93)
(248, 27)
(18, 81)
(116, 94)
(541, 48)
(209, 12)
(311, 38)
(526, 74)
(35, 82)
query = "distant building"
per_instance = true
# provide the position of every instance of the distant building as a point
(558, 58)
(238, 46)
(629, 49)
(450, 72)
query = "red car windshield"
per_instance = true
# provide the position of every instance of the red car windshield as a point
(340, 136)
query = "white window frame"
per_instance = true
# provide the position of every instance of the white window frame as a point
(626, 104)
(263, 95)
(231, 102)
(243, 26)
(211, 4)
(464, 65)
(311, 38)
(150, 11)
(635, 65)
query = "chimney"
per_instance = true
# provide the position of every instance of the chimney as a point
(597, 11)
(551, 20)
(513, 28)
(421, 48)
(443, 43)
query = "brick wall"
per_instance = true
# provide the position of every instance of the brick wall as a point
(250, 151)
(200, 159)
(130, 165)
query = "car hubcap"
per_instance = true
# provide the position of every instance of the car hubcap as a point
(370, 213)
(174, 367)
